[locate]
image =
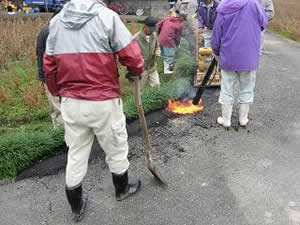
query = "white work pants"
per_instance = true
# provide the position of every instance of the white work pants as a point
(55, 111)
(262, 42)
(83, 121)
(207, 35)
(150, 75)
(246, 82)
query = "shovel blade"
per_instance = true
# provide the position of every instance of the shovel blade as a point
(155, 172)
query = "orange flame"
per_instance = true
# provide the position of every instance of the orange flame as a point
(184, 107)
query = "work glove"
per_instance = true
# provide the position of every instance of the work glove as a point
(129, 77)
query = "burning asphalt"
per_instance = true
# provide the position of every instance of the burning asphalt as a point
(184, 107)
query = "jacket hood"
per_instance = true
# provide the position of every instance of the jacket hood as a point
(76, 13)
(231, 6)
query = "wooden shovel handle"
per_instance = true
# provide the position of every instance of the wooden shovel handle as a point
(143, 123)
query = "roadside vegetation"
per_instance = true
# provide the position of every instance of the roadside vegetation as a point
(26, 133)
(287, 19)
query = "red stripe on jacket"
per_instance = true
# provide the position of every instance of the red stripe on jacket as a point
(132, 58)
(90, 76)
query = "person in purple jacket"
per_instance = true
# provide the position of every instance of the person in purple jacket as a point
(236, 42)
(206, 15)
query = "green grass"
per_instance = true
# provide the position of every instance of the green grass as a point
(286, 34)
(26, 133)
(20, 82)
(25, 145)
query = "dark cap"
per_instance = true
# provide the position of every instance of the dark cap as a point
(150, 21)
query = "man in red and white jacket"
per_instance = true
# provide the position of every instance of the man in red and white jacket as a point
(85, 40)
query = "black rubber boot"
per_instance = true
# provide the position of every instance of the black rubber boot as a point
(77, 201)
(171, 67)
(123, 188)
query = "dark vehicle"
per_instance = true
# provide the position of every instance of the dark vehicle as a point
(45, 5)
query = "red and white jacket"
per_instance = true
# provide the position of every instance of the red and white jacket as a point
(85, 41)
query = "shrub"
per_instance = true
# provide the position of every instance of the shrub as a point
(22, 97)
(5, 96)
(18, 35)
(287, 19)
(20, 148)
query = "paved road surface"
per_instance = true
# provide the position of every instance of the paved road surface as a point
(243, 176)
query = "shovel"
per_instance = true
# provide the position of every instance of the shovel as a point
(149, 159)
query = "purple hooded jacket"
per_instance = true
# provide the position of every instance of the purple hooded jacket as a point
(237, 33)
(205, 20)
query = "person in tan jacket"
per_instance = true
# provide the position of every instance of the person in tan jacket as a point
(268, 7)
(147, 40)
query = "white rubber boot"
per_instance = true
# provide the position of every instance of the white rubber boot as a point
(243, 114)
(225, 119)
(166, 68)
